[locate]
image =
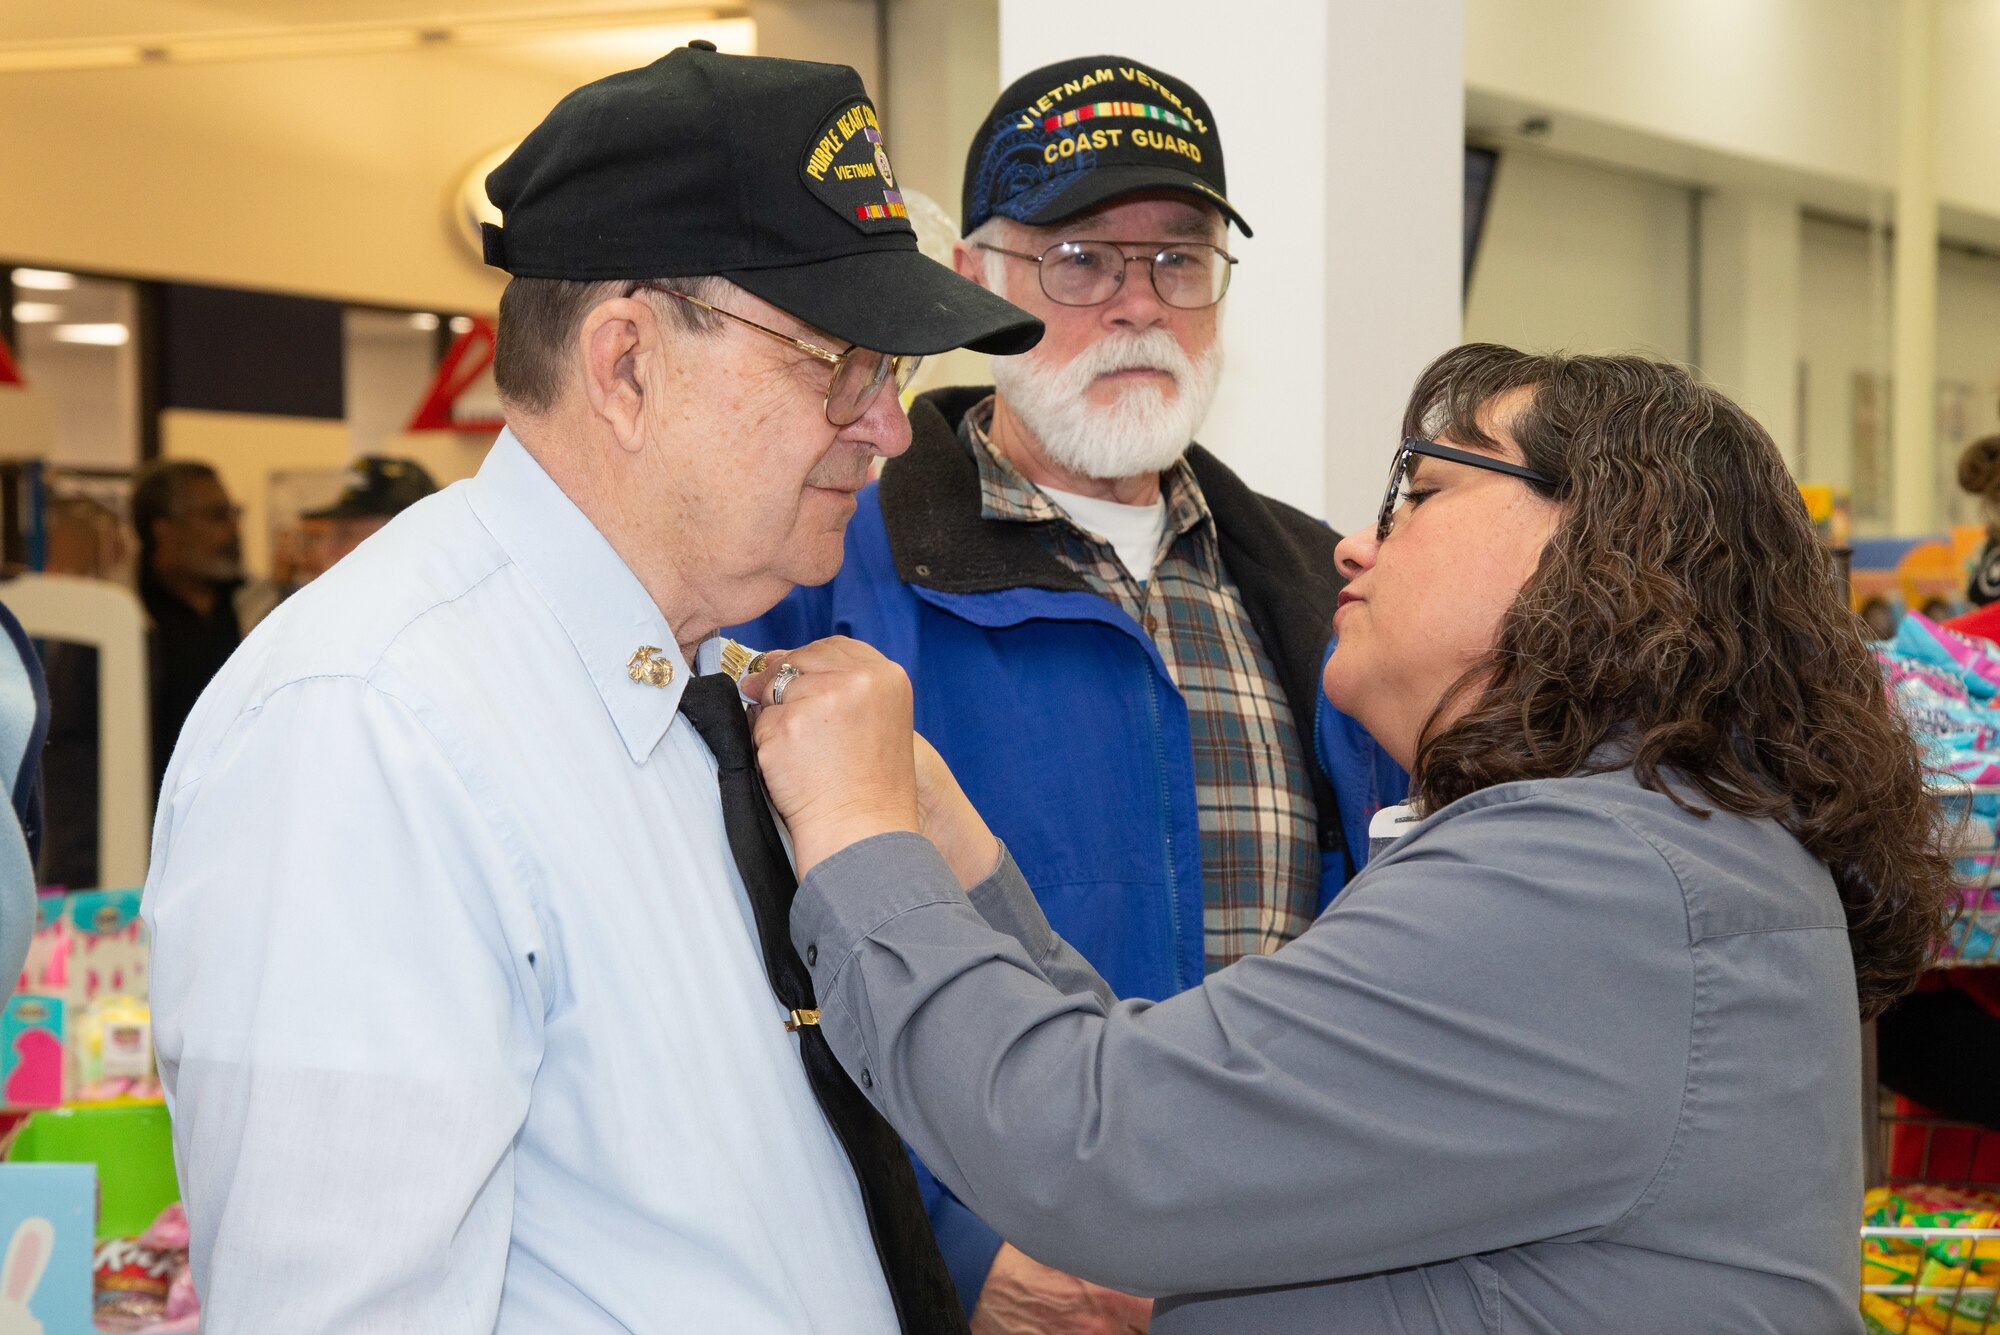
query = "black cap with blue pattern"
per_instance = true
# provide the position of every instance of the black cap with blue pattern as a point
(1076, 134)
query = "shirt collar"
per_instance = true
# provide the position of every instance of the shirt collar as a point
(625, 644)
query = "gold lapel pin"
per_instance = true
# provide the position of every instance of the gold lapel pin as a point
(740, 662)
(646, 665)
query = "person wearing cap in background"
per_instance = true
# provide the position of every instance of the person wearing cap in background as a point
(376, 490)
(1114, 643)
(464, 1007)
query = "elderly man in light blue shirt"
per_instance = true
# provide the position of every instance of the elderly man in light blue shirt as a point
(458, 992)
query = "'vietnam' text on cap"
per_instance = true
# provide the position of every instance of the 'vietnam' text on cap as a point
(1072, 135)
(769, 173)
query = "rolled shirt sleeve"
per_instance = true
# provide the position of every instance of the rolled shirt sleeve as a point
(347, 991)
(1431, 1071)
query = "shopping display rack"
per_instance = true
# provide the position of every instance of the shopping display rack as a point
(1953, 1284)
(1975, 939)
(1941, 1291)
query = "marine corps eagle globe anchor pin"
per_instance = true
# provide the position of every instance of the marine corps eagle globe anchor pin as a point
(646, 665)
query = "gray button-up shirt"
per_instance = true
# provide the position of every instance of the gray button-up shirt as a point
(1563, 1058)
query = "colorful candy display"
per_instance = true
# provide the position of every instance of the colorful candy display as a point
(1947, 686)
(1944, 1283)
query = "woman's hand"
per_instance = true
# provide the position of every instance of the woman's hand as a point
(950, 821)
(837, 753)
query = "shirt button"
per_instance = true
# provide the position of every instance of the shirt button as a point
(867, 1080)
(812, 956)
(1151, 624)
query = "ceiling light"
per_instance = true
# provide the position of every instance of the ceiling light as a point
(36, 312)
(727, 23)
(45, 280)
(46, 56)
(95, 335)
(285, 45)
(461, 324)
(424, 320)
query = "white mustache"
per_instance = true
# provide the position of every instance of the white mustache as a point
(1154, 350)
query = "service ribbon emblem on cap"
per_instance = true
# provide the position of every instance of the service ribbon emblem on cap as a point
(847, 168)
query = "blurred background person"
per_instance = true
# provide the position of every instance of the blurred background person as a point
(1979, 475)
(190, 568)
(377, 489)
(1880, 615)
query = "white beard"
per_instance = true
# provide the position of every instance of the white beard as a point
(1144, 431)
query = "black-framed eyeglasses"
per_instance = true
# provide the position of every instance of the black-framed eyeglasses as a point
(1412, 448)
(1190, 275)
(858, 373)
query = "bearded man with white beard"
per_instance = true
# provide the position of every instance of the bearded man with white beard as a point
(1115, 644)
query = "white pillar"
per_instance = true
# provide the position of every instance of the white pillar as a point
(942, 77)
(943, 74)
(1913, 326)
(1343, 129)
(1749, 312)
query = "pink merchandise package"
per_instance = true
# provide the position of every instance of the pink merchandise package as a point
(90, 944)
(47, 966)
(1934, 702)
(110, 957)
(1976, 656)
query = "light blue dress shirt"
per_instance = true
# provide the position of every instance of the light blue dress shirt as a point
(456, 988)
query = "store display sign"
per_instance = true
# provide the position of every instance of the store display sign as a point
(47, 1226)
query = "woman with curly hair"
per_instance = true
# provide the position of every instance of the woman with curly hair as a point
(1579, 1049)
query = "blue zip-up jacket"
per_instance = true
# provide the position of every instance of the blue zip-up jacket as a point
(1054, 709)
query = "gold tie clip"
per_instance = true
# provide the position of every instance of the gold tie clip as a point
(800, 1019)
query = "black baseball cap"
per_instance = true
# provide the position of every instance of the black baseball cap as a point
(378, 487)
(1077, 133)
(769, 173)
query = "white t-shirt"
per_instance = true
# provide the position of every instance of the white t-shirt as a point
(1134, 531)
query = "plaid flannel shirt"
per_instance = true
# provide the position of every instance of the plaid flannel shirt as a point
(1253, 793)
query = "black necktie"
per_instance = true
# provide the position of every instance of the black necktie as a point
(926, 1302)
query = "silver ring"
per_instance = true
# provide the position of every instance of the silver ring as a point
(787, 674)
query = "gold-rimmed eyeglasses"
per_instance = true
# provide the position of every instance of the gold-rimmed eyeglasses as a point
(1189, 275)
(858, 373)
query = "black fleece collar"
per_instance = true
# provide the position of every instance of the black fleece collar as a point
(930, 504)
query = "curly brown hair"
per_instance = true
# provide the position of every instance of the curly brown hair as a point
(1685, 619)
